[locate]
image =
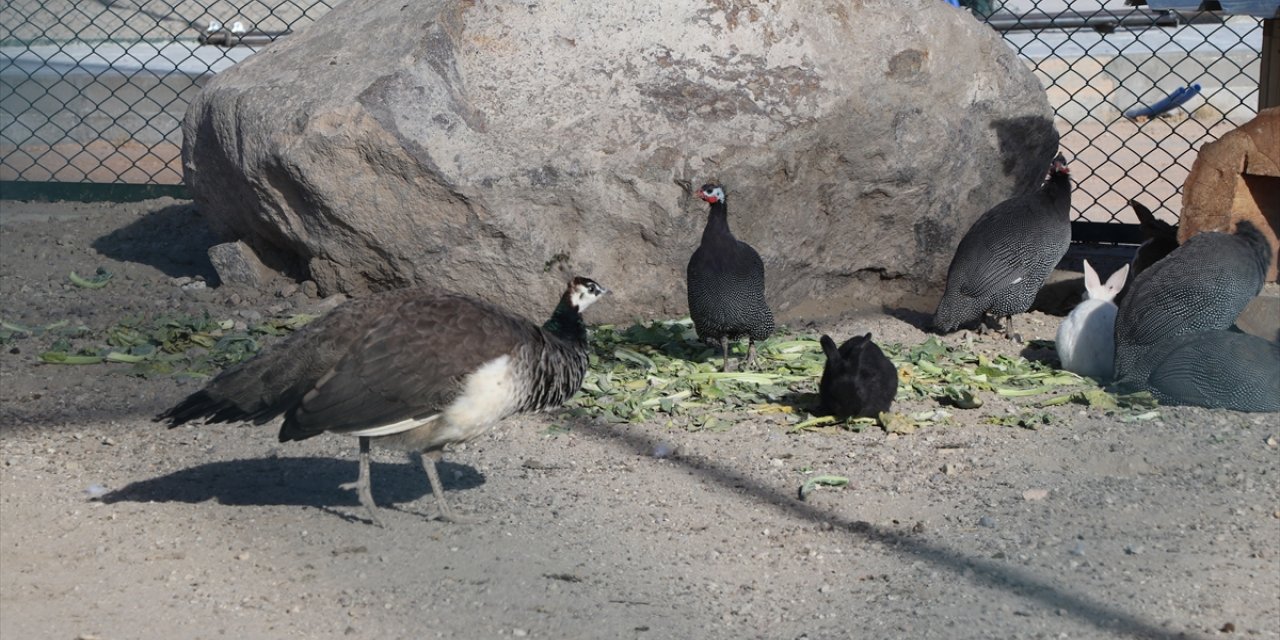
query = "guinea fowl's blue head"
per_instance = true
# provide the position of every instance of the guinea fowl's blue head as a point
(1059, 166)
(712, 193)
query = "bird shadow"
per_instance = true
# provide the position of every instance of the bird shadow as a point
(309, 481)
(1042, 351)
(173, 239)
(919, 319)
(1025, 137)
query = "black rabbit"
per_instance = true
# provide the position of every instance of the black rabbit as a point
(858, 379)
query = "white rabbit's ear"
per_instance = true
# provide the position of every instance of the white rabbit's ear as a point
(1091, 282)
(1116, 282)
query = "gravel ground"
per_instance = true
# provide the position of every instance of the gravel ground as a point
(113, 527)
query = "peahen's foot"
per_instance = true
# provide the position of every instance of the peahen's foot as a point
(429, 460)
(362, 486)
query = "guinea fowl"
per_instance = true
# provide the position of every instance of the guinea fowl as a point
(1219, 369)
(415, 369)
(1202, 285)
(858, 380)
(726, 284)
(1005, 257)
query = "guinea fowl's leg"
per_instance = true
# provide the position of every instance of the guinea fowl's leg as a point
(362, 485)
(983, 325)
(429, 460)
(1008, 330)
(751, 353)
(724, 349)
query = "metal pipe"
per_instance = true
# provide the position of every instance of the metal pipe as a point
(247, 39)
(1100, 21)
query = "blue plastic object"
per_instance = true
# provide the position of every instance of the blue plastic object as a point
(1175, 99)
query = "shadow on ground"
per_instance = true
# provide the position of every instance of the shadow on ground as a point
(921, 320)
(314, 481)
(174, 239)
(310, 481)
(908, 542)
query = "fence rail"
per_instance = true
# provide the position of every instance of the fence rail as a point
(94, 91)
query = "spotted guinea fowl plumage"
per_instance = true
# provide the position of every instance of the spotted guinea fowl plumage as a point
(1202, 285)
(414, 369)
(1005, 257)
(1219, 369)
(726, 283)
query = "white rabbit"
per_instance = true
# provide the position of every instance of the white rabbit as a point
(1086, 338)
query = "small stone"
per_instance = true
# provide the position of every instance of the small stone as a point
(287, 290)
(234, 300)
(244, 555)
(1134, 550)
(1035, 494)
(987, 521)
(1078, 550)
(519, 633)
(180, 281)
(1272, 442)
(236, 263)
(952, 468)
(310, 289)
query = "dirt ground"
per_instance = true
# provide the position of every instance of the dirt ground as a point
(114, 527)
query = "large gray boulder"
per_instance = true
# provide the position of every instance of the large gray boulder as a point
(474, 145)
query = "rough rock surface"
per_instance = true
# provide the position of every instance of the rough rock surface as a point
(236, 263)
(1234, 178)
(475, 145)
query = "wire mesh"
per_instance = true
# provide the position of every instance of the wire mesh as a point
(1098, 62)
(94, 91)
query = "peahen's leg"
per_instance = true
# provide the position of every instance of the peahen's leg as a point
(362, 485)
(429, 460)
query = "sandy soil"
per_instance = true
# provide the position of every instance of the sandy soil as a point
(113, 527)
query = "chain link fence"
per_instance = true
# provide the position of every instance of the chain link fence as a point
(1105, 65)
(94, 91)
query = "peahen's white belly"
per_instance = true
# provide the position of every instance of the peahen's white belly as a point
(488, 395)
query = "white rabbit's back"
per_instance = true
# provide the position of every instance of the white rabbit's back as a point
(1086, 339)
